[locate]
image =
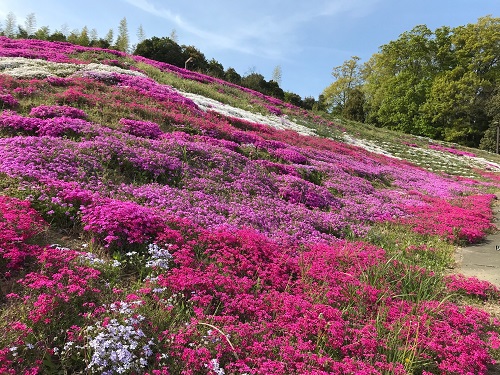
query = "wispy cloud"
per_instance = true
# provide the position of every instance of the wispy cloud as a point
(261, 33)
(261, 28)
(216, 38)
(349, 8)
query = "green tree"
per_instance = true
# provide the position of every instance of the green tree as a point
(161, 49)
(93, 36)
(455, 107)
(347, 77)
(43, 33)
(74, 36)
(9, 29)
(83, 38)
(398, 79)
(30, 24)
(320, 104)
(308, 102)
(293, 98)
(122, 40)
(21, 33)
(100, 43)
(110, 36)
(257, 82)
(198, 60)
(272, 88)
(459, 98)
(354, 106)
(437, 83)
(57, 36)
(215, 68)
(254, 81)
(488, 142)
(231, 75)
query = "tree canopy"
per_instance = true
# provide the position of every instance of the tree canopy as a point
(439, 84)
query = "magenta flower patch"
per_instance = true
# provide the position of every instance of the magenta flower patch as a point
(202, 241)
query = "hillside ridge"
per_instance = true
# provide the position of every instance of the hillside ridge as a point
(155, 220)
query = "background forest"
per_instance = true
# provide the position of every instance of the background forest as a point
(441, 84)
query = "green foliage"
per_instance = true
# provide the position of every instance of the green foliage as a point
(161, 49)
(347, 79)
(122, 41)
(489, 140)
(57, 36)
(437, 84)
(293, 98)
(215, 69)
(197, 60)
(43, 33)
(411, 248)
(232, 76)
(257, 82)
(354, 105)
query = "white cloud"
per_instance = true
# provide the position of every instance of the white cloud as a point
(353, 8)
(268, 29)
(255, 30)
(213, 37)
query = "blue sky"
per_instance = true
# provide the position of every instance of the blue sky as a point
(307, 39)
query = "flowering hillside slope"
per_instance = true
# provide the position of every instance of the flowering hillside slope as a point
(203, 228)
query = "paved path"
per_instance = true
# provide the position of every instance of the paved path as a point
(482, 260)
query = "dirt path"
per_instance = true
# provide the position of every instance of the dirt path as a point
(482, 260)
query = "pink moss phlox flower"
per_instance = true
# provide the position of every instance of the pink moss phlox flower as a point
(289, 155)
(146, 129)
(472, 286)
(463, 219)
(121, 222)
(49, 111)
(8, 101)
(18, 223)
(451, 150)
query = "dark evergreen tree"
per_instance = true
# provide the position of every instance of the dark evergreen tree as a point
(161, 49)
(293, 98)
(215, 69)
(231, 75)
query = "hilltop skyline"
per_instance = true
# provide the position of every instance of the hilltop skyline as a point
(306, 41)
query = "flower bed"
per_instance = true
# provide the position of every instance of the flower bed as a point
(217, 240)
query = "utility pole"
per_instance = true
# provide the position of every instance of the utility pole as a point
(498, 132)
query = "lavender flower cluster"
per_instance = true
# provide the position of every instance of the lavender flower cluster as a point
(119, 345)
